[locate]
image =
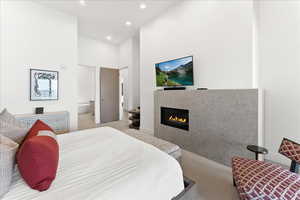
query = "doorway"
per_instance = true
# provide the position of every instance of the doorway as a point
(109, 95)
(123, 93)
(86, 87)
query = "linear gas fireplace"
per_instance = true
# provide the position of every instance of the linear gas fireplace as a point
(177, 118)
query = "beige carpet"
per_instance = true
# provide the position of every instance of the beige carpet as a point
(86, 121)
(214, 181)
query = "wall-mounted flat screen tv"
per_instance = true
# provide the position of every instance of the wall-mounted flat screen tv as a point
(172, 73)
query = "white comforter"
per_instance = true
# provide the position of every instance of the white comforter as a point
(106, 164)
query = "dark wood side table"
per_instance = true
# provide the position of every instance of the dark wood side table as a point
(134, 118)
(257, 150)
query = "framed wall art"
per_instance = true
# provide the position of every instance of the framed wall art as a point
(43, 85)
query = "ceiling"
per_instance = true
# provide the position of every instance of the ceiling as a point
(101, 18)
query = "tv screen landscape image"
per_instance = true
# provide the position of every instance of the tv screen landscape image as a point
(178, 72)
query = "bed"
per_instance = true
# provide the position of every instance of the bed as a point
(106, 164)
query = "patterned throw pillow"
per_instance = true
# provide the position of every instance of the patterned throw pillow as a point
(11, 127)
(8, 149)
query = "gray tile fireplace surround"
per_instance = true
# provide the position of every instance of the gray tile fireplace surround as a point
(221, 122)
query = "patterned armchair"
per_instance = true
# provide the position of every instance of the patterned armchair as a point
(291, 150)
(257, 180)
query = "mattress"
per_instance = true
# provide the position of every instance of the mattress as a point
(106, 164)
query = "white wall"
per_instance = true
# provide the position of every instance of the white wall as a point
(217, 33)
(235, 44)
(86, 77)
(129, 57)
(96, 53)
(126, 61)
(279, 71)
(136, 71)
(33, 36)
(1, 54)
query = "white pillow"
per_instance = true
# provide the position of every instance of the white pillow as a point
(8, 149)
(11, 127)
(7, 119)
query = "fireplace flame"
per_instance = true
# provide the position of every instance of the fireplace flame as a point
(177, 119)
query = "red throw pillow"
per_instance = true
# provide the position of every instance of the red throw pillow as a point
(38, 126)
(38, 161)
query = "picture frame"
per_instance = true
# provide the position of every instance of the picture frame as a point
(44, 85)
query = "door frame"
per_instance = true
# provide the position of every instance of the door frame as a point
(121, 108)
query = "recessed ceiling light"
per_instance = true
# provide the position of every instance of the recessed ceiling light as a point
(143, 6)
(108, 37)
(128, 23)
(82, 2)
